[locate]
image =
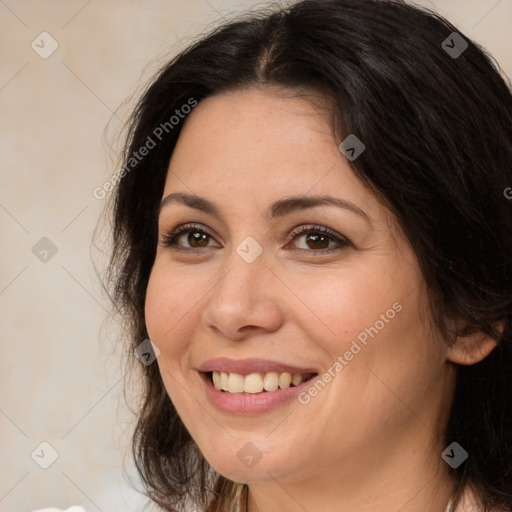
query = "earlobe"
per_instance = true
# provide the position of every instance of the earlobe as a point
(473, 348)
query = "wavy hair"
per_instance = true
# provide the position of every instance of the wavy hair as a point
(438, 134)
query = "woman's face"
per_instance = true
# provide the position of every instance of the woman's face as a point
(249, 294)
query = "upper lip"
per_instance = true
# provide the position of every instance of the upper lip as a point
(251, 365)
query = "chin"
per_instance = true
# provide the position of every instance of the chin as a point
(249, 464)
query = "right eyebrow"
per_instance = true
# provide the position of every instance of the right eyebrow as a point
(277, 209)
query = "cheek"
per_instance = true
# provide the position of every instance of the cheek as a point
(166, 320)
(374, 320)
(342, 306)
(155, 308)
(167, 309)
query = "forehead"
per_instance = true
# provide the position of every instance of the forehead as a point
(256, 132)
(255, 146)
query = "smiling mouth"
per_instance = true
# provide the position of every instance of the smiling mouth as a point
(257, 382)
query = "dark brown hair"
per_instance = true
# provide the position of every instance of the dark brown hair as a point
(437, 127)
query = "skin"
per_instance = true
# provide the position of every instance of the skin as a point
(370, 440)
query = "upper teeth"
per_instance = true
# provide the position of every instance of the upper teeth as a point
(255, 382)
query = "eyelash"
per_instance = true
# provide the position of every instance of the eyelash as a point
(170, 240)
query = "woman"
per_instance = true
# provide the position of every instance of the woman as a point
(311, 228)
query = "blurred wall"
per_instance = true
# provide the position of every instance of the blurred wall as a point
(61, 381)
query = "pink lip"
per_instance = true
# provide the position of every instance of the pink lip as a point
(250, 365)
(250, 403)
(244, 404)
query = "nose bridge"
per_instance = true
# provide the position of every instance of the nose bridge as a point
(246, 266)
(240, 297)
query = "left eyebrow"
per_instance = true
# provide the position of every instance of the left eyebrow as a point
(291, 204)
(279, 208)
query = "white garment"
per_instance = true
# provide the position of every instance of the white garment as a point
(468, 504)
(75, 508)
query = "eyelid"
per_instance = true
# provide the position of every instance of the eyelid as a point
(169, 240)
(180, 230)
(317, 228)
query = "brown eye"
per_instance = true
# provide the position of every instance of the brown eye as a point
(196, 238)
(317, 241)
(318, 238)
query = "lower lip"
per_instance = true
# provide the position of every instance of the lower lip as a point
(250, 403)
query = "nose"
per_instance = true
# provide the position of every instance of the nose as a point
(244, 300)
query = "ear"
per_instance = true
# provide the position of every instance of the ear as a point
(473, 348)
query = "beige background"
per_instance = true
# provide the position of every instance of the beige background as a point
(60, 371)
